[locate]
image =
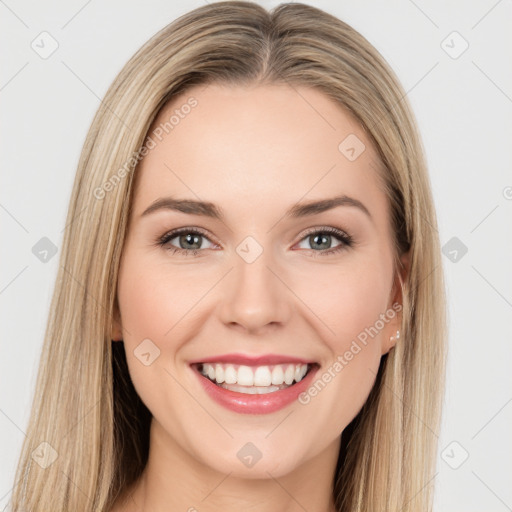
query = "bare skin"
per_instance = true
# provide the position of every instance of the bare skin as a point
(255, 152)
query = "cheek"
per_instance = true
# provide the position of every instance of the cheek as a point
(155, 301)
(155, 306)
(159, 304)
(147, 313)
(348, 298)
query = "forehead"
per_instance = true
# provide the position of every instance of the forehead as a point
(241, 146)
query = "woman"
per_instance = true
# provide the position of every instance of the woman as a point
(249, 310)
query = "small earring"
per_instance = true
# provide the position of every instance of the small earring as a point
(397, 337)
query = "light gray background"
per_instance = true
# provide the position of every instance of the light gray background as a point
(464, 110)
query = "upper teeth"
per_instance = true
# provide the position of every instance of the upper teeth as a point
(254, 375)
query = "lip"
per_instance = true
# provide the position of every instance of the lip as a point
(255, 404)
(251, 360)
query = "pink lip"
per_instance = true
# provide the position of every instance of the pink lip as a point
(248, 360)
(255, 404)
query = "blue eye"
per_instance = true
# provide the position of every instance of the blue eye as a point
(191, 240)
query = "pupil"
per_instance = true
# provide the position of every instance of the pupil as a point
(325, 238)
(190, 239)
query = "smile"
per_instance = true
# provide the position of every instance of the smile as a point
(254, 385)
(254, 379)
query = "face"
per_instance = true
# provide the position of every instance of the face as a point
(257, 286)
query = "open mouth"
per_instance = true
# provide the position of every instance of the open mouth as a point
(254, 380)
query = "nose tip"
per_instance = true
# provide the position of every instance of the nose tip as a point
(254, 298)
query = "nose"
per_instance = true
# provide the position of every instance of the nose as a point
(255, 297)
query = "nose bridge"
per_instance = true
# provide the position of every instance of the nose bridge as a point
(254, 296)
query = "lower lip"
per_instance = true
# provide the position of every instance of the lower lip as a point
(256, 404)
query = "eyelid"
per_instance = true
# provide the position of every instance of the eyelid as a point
(324, 229)
(173, 233)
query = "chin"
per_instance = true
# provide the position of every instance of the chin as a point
(247, 461)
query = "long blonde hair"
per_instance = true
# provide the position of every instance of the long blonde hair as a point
(86, 408)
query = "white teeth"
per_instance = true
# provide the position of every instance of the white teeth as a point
(298, 371)
(289, 374)
(219, 373)
(262, 376)
(245, 376)
(265, 377)
(277, 375)
(230, 375)
(251, 390)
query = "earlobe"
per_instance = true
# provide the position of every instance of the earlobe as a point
(391, 342)
(394, 338)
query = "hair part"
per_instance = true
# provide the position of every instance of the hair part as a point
(85, 405)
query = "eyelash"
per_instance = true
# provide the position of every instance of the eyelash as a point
(345, 239)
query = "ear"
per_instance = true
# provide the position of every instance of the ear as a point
(395, 305)
(117, 326)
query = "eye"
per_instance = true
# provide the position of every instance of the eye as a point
(189, 240)
(320, 241)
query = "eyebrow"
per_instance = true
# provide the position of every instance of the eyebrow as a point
(208, 209)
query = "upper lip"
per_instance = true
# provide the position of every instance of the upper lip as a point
(253, 360)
